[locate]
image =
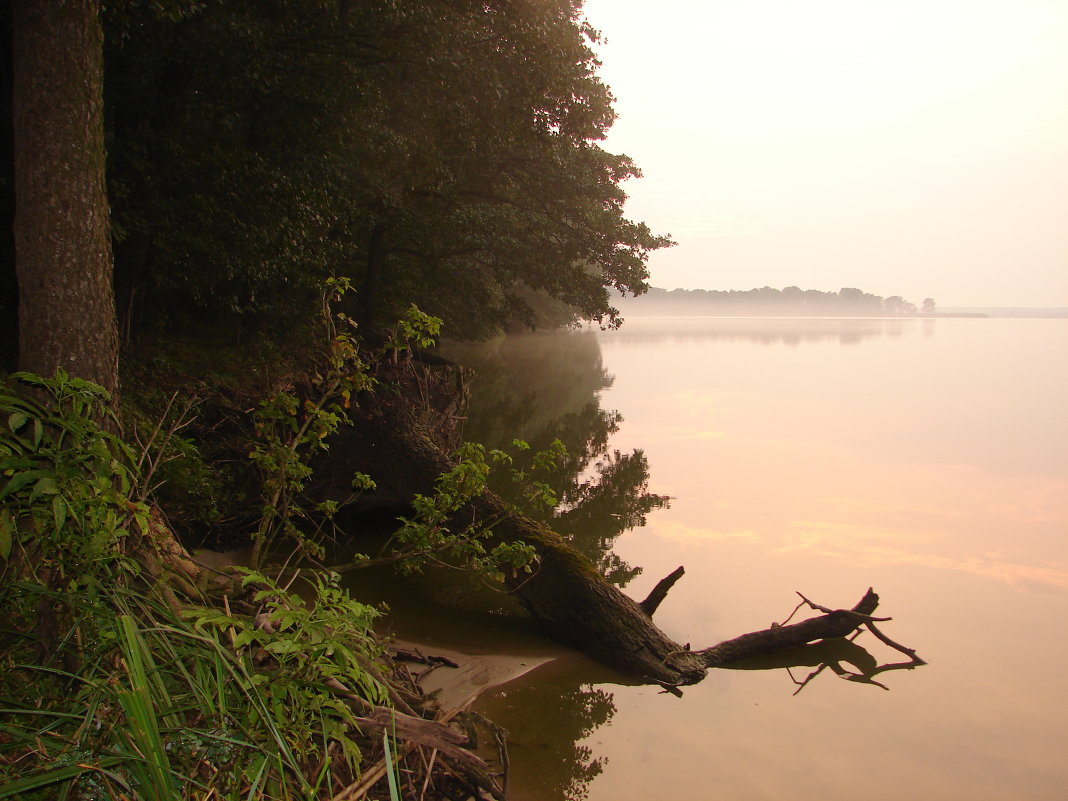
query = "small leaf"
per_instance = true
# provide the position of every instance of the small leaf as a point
(59, 511)
(243, 638)
(16, 462)
(7, 533)
(20, 480)
(45, 486)
(16, 421)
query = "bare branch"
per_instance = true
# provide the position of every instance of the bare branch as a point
(660, 591)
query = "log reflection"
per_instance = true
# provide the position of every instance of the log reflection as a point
(826, 655)
(554, 711)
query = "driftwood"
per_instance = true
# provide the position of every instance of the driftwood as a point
(833, 623)
(397, 442)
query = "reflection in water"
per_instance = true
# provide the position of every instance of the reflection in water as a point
(541, 387)
(827, 654)
(524, 383)
(789, 331)
(925, 458)
(611, 499)
(553, 713)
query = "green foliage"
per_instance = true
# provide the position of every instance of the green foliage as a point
(150, 764)
(207, 705)
(291, 431)
(432, 534)
(391, 769)
(69, 486)
(312, 644)
(415, 329)
(158, 706)
(325, 639)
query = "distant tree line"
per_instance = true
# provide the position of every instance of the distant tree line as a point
(791, 301)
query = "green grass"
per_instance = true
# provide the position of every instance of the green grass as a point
(165, 707)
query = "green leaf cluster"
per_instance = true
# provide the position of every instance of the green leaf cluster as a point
(204, 705)
(133, 699)
(67, 483)
(313, 644)
(432, 534)
(415, 329)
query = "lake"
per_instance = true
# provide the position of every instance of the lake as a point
(925, 458)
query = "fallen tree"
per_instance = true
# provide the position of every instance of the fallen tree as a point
(401, 444)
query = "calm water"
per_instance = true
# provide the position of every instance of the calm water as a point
(928, 459)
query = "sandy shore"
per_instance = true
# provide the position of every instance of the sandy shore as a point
(476, 672)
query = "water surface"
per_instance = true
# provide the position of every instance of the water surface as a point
(928, 459)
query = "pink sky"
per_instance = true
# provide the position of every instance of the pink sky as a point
(905, 147)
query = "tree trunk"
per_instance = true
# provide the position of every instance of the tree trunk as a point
(62, 219)
(63, 255)
(371, 287)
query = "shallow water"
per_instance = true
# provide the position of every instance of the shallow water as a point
(928, 459)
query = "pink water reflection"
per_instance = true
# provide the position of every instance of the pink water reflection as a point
(929, 460)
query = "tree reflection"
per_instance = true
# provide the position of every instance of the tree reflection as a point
(596, 510)
(770, 331)
(552, 713)
(541, 387)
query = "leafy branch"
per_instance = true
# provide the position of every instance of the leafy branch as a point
(291, 431)
(433, 533)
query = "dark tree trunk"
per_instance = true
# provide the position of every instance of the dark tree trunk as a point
(62, 219)
(371, 287)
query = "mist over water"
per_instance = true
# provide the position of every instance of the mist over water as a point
(928, 459)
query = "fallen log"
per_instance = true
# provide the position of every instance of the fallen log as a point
(398, 444)
(832, 624)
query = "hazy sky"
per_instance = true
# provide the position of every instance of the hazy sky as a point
(905, 147)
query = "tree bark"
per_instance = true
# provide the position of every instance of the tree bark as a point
(660, 591)
(62, 219)
(63, 252)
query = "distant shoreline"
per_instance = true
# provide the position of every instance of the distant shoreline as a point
(630, 312)
(801, 303)
(1023, 312)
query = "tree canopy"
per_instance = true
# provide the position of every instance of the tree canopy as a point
(437, 151)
